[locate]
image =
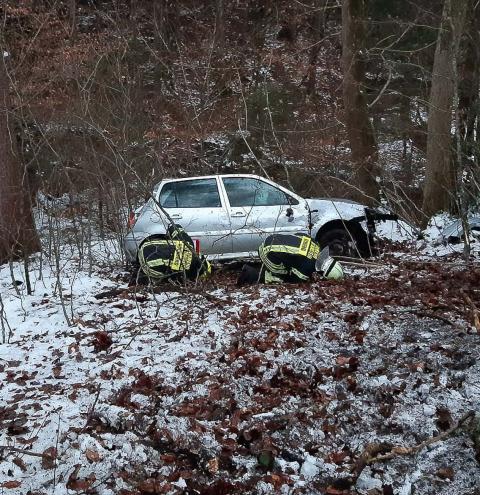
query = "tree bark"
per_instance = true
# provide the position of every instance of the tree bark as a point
(318, 25)
(360, 130)
(219, 25)
(439, 189)
(469, 84)
(18, 236)
(72, 8)
(132, 14)
(165, 18)
(319, 18)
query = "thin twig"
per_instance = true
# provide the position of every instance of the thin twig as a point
(56, 455)
(91, 410)
(397, 451)
(430, 314)
(474, 311)
(22, 451)
(158, 290)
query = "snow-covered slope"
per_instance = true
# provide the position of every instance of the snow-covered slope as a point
(220, 390)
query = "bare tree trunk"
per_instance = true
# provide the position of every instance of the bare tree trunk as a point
(469, 84)
(439, 186)
(133, 13)
(219, 25)
(404, 110)
(359, 128)
(318, 25)
(72, 7)
(18, 236)
(319, 18)
(165, 18)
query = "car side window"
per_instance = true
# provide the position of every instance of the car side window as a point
(254, 192)
(196, 193)
(168, 197)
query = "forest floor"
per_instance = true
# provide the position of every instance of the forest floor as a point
(219, 390)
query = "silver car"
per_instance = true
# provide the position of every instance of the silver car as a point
(228, 216)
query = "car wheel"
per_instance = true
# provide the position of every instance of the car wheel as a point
(343, 242)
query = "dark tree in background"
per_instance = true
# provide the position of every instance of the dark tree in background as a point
(440, 184)
(468, 96)
(165, 19)
(18, 236)
(72, 8)
(359, 128)
(219, 24)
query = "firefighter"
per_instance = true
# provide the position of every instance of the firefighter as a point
(291, 258)
(171, 258)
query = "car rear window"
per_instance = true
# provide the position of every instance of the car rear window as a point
(196, 193)
(253, 192)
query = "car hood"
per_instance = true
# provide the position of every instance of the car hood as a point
(335, 208)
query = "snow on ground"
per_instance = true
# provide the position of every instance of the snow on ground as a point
(219, 390)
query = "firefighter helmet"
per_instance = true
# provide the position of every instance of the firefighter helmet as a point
(330, 268)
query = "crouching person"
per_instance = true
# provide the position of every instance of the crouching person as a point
(290, 258)
(171, 258)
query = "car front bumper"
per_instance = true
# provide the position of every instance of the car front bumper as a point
(371, 216)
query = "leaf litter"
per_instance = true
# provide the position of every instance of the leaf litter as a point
(289, 389)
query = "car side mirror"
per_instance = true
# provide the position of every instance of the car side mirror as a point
(289, 212)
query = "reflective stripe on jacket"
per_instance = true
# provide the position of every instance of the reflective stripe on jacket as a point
(290, 256)
(160, 257)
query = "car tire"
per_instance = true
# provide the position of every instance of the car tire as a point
(339, 240)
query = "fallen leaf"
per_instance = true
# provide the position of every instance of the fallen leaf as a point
(444, 419)
(334, 491)
(277, 480)
(81, 485)
(351, 362)
(77, 484)
(49, 457)
(17, 428)
(10, 484)
(168, 458)
(101, 341)
(401, 450)
(359, 336)
(221, 487)
(446, 473)
(387, 490)
(20, 463)
(338, 457)
(92, 455)
(353, 317)
(212, 465)
(150, 485)
(27, 441)
(343, 360)
(57, 371)
(73, 347)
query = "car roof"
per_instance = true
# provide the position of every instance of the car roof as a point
(212, 177)
(250, 176)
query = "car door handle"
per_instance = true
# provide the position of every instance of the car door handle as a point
(238, 214)
(175, 216)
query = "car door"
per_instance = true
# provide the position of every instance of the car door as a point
(196, 205)
(258, 209)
